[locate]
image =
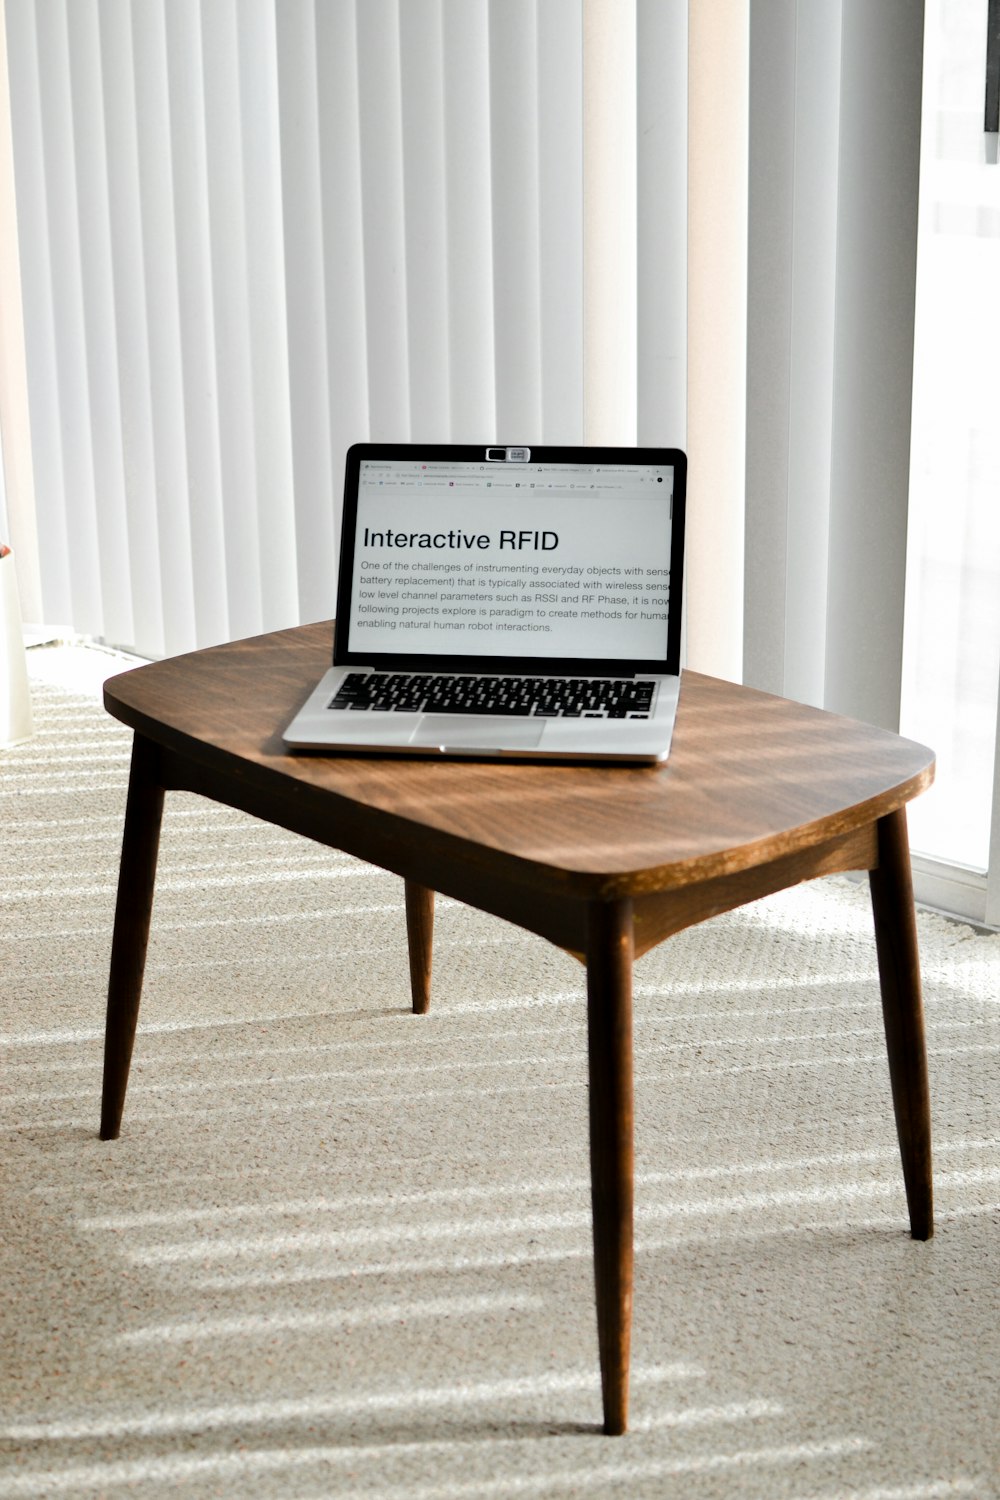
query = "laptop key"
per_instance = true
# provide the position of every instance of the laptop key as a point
(505, 697)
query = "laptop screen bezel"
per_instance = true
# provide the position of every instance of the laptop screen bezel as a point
(572, 666)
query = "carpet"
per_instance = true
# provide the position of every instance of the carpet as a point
(343, 1250)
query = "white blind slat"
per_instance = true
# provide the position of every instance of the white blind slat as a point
(382, 217)
(305, 303)
(610, 257)
(661, 229)
(882, 55)
(560, 219)
(199, 371)
(132, 312)
(231, 297)
(345, 330)
(69, 327)
(17, 484)
(42, 350)
(717, 321)
(97, 303)
(270, 435)
(516, 271)
(812, 345)
(471, 343)
(159, 293)
(425, 200)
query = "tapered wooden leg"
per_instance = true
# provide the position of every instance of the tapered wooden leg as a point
(420, 940)
(609, 1031)
(136, 877)
(902, 1007)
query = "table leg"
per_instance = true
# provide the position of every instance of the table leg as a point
(902, 1008)
(609, 1035)
(420, 938)
(136, 877)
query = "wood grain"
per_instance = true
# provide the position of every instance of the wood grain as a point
(751, 777)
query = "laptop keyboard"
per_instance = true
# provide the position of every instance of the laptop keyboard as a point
(521, 697)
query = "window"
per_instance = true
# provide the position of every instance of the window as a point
(951, 656)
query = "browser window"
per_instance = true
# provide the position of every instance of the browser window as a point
(512, 560)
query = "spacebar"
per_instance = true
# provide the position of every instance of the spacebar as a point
(498, 711)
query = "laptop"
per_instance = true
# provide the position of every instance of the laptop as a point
(505, 601)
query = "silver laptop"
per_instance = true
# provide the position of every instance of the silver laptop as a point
(505, 601)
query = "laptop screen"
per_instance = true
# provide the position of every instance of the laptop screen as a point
(569, 556)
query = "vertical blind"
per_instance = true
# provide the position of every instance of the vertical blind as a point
(251, 233)
(834, 132)
(717, 327)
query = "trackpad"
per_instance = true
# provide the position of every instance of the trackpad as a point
(467, 732)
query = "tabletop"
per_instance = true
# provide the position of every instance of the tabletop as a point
(751, 777)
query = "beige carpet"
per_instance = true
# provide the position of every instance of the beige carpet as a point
(343, 1250)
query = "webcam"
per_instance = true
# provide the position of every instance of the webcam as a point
(508, 455)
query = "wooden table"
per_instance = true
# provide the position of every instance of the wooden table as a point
(606, 862)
